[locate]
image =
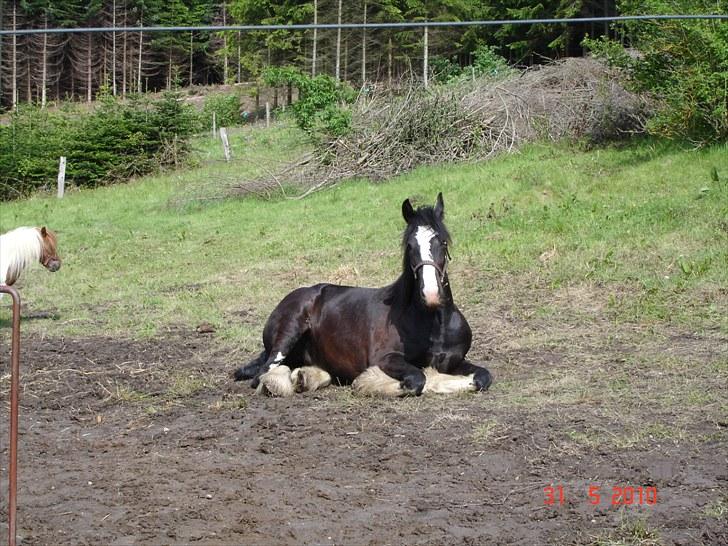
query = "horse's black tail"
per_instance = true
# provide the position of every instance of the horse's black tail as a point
(251, 369)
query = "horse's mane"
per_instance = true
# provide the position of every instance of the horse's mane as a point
(19, 248)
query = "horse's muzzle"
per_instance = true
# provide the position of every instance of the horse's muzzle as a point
(53, 265)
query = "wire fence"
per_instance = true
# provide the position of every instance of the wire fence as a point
(354, 26)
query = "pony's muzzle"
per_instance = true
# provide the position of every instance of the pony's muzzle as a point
(53, 265)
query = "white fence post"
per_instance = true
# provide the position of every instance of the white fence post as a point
(267, 114)
(61, 177)
(214, 126)
(225, 143)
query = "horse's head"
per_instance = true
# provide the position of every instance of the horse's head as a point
(48, 251)
(426, 253)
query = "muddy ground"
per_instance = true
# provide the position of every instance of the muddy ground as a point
(149, 442)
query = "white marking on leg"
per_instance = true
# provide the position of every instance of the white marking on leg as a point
(441, 383)
(373, 381)
(277, 360)
(431, 290)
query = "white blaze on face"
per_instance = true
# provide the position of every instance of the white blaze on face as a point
(430, 291)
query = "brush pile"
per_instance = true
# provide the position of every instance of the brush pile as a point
(392, 132)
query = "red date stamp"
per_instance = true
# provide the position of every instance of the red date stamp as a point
(555, 495)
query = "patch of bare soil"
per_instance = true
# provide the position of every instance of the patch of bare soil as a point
(150, 442)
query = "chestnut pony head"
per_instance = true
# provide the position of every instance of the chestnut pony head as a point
(48, 251)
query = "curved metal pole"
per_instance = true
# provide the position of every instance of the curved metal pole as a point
(14, 388)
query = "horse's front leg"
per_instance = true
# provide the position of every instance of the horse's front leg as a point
(392, 376)
(456, 365)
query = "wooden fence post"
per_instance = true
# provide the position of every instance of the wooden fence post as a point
(267, 114)
(214, 126)
(61, 177)
(225, 143)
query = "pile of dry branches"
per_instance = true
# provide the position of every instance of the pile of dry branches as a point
(578, 99)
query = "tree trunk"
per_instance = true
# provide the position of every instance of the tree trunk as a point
(169, 71)
(113, 47)
(364, 48)
(191, 52)
(139, 65)
(123, 61)
(44, 76)
(15, 58)
(315, 38)
(29, 90)
(225, 66)
(89, 70)
(389, 62)
(338, 45)
(240, 53)
(346, 59)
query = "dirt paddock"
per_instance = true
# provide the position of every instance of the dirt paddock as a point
(150, 442)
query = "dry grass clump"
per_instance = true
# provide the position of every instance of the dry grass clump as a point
(393, 132)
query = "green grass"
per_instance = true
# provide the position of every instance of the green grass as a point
(647, 221)
(631, 532)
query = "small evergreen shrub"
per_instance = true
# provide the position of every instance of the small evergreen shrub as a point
(116, 141)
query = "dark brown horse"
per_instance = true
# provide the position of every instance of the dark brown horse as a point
(401, 339)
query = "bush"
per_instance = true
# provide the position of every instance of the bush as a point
(115, 142)
(486, 63)
(226, 108)
(321, 106)
(684, 64)
(30, 147)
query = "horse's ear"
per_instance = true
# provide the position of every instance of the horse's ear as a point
(440, 207)
(43, 231)
(407, 211)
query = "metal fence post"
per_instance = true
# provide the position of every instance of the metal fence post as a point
(14, 393)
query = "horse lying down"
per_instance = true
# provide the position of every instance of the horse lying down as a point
(407, 338)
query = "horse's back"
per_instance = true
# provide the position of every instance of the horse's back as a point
(332, 324)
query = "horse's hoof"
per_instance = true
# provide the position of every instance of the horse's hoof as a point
(276, 382)
(310, 378)
(482, 380)
(413, 384)
(241, 374)
(249, 371)
(299, 380)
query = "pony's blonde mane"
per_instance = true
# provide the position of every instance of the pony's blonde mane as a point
(19, 248)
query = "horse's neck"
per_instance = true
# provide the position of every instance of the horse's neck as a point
(18, 249)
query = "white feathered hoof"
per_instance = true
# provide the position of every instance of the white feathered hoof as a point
(374, 382)
(441, 383)
(276, 382)
(309, 378)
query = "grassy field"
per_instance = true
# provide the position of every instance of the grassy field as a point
(650, 222)
(595, 282)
